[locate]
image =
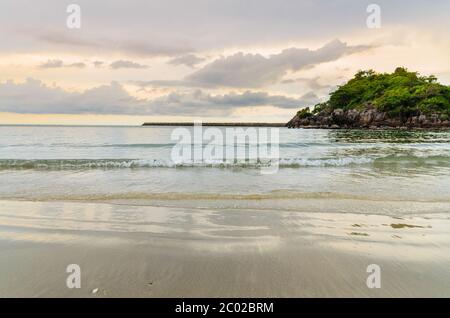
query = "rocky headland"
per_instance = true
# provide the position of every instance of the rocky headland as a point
(372, 100)
(367, 118)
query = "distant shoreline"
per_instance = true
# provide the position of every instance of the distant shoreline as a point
(216, 124)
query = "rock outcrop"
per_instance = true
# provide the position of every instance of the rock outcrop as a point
(368, 118)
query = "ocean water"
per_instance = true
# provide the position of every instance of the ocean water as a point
(358, 171)
(114, 201)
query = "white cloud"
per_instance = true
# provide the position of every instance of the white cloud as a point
(32, 96)
(126, 64)
(56, 63)
(255, 70)
(176, 27)
(77, 65)
(313, 83)
(52, 64)
(190, 60)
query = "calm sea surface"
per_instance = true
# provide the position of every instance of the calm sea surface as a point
(133, 164)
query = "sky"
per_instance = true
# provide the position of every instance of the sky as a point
(223, 60)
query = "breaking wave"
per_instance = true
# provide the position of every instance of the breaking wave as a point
(61, 164)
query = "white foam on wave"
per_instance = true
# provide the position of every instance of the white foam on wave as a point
(159, 163)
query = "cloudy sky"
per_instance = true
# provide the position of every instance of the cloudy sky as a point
(229, 60)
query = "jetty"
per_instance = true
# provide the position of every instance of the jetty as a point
(211, 124)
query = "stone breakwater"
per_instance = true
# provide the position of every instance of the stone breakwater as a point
(212, 124)
(369, 118)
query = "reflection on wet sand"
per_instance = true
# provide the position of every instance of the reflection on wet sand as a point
(226, 230)
(198, 252)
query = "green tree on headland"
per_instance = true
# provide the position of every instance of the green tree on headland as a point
(400, 94)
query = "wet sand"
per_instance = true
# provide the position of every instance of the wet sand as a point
(134, 250)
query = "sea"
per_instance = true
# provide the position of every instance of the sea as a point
(130, 164)
(176, 211)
